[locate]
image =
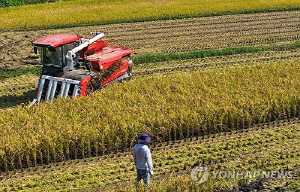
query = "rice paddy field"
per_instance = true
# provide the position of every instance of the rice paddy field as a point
(269, 148)
(213, 85)
(76, 12)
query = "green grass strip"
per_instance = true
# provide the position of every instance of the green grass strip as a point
(32, 70)
(210, 52)
(159, 18)
(171, 56)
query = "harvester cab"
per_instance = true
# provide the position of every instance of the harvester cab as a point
(73, 66)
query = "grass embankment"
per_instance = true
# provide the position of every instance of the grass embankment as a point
(271, 149)
(62, 14)
(167, 107)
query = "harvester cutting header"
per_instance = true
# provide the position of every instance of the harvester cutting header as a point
(74, 66)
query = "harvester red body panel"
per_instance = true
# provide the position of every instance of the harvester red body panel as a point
(59, 77)
(84, 82)
(56, 40)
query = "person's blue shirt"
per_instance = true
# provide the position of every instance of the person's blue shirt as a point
(142, 157)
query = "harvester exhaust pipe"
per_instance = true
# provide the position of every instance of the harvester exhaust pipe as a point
(72, 53)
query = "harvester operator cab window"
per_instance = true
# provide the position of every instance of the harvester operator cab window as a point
(50, 56)
(55, 57)
(66, 48)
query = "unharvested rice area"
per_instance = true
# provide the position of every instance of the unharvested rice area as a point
(270, 149)
(168, 107)
(259, 29)
(76, 12)
(21, 89)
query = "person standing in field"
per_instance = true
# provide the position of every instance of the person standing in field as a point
(142, 159)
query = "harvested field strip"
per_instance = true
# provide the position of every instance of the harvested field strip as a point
(218, 23)
(14, 91)
(168, 107)
(194, 28)
(184, 182)
(205, 30)
(171, 56)
(266, 149)
(210, 52)
(213, 62)
(196, 42)
(183, 35)
(62, 14)
(213, 23)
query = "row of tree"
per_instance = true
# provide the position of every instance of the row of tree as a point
(8, 3)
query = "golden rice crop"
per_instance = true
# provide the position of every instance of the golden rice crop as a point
(167, 107)
(259, 147)
(91, 11)
(21, 89)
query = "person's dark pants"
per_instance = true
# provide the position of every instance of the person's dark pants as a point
(143, 174)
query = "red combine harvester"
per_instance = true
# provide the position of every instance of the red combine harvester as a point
(72, 66)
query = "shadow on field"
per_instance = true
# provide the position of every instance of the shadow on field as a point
(7, 101)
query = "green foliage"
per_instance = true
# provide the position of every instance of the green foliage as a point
(8, 3)
(31, 70)
(27, 2)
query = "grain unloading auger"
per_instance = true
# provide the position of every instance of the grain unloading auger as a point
(74, 66)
